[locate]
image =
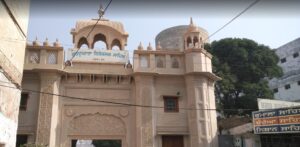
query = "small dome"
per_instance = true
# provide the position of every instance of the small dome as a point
(56, 43)
(149, 48)
(173, 38)
(140, 47)
(118, 26)
(46, 42)
(35, 42)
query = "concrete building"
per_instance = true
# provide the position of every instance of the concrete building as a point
(160, 101)
(13, 23)
(287, 87)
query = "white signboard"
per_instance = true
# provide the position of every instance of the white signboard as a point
(274, 104)
(94, 55)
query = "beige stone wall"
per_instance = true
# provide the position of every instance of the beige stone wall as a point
(12, 50)
(28, 119)
(170, 122)
(12, 41)
(95, 120)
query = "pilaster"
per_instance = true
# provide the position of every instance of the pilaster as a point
(144, 115)
(202, 123)
(48, 109)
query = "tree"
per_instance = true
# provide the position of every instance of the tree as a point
(244, 67)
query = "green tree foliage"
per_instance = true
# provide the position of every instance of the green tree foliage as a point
(244, 67)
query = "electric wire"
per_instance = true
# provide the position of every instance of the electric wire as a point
(91, 29)
(234, 18)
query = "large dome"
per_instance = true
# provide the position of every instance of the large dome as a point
(173, 38)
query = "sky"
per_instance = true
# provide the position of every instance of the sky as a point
(269, 22)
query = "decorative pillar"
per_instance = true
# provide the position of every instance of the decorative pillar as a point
(48, 109)
(202, 122)
(144, 115)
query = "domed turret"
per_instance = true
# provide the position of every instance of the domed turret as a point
(112, 33)
(175, 38)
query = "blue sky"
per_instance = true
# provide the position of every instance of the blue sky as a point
(272, 23)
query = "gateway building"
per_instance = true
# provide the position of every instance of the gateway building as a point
(165, 99)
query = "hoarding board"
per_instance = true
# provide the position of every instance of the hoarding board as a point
(274, 104)
(101, 56)
(276, 121)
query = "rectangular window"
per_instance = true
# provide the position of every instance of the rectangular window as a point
(171, 104)
(288, 86)
(295, 55)
(275, 90)
(298, 82)
(23, 101)
(283, 60)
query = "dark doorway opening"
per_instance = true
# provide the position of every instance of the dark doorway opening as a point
(21, 140)
(96, 143)
(172, 141)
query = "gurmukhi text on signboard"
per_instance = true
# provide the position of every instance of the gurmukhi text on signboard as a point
(94, 55)
(277, 121)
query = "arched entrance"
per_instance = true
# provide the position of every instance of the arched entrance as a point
(96, 130)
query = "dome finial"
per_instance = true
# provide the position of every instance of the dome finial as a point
(149, 47)
(140, 47)
(129, 65)
(101, 11)
(56, 43)
(35, 42)
(46, 43)
(191, 21)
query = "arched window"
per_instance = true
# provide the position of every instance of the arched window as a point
(196, 41)
(201, 43)
(143, 61)
(188, 42)
(99, 42)
(175, 63)
(82, 43)
(116, 45)
(160, 62)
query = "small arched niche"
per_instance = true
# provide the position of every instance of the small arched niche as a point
(188, 42)
(82, 43)
(160, 61)
(116, 44)
(175, 62)
(99, 42)
(195, 41)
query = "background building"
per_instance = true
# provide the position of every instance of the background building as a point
(13, 23)
(175, 78)
(287, 86)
